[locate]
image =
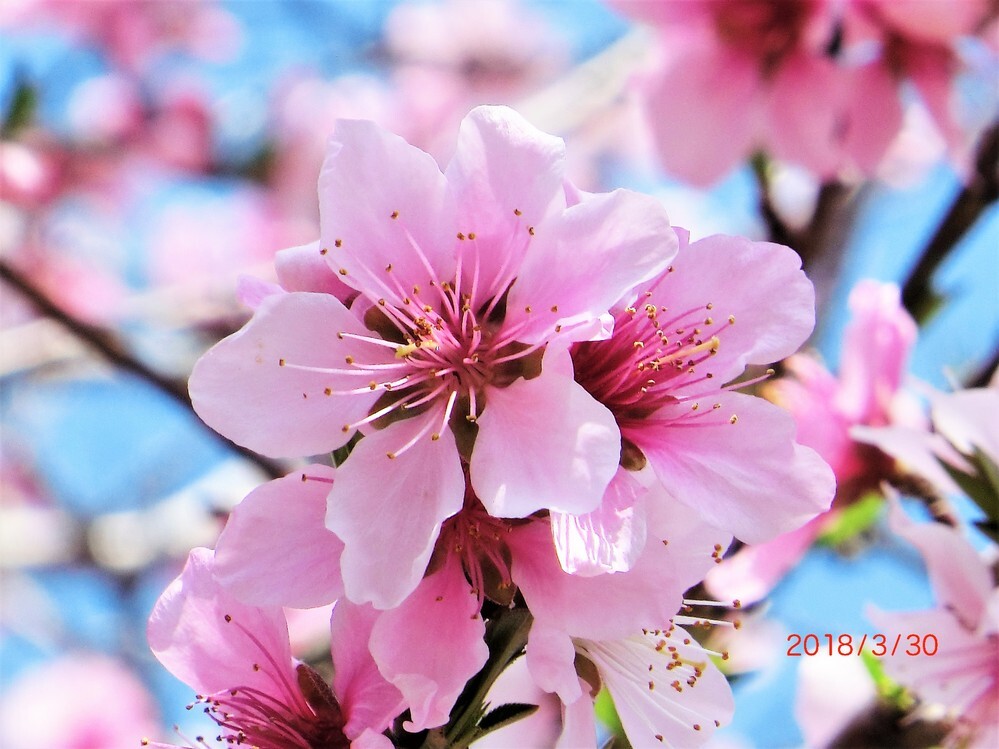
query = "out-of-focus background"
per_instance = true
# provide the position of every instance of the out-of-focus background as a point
(154, 151)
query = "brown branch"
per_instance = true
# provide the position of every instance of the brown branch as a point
(981, 190)
(107, 345)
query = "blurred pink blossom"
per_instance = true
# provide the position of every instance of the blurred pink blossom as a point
(868, 391)
(739, 75)
(963, 674)
(76, 701)
(891, 42)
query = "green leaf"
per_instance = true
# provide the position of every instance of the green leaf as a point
(504, 715)
(853, 520)
(982, 487)
(888, 690)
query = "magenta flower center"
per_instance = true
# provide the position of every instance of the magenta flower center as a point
(303, 714)
(477, 540)
(449, 344)
(655, 357)
(767, 30)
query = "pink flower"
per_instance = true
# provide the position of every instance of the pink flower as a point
(771, 83)
(868, 390)
(964, 440)
(827, 410)
(902, 41)
(602, 629)
(467, 281)
(76, 701)
(238, 659)
(431, 644)
(725, 302)
(963, 674)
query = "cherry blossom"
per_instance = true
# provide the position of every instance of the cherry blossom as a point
(467, 280)
(45, 705)
(771, 80)
(723, 303)
(238, 658)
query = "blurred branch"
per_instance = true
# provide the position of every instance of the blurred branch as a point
(107, 345)
(982, 189)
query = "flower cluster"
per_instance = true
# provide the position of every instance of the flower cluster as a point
(814, 82)
(531, 395)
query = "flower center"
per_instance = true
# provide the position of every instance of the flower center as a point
(477, 540)
(652, 359)
(767, 30)
(303, 715)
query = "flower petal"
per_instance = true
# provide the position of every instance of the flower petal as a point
(378, 503)
(543, 443)
(610, 538)
(960, 579)
(241, 389)
(583, 261)
(369, 702)
(579, 727)
(701, 138)
(550, 659)
(601, 607)
(211, 641)
(431, 645)
(506, 175)
(752, 572)
(385, 213)
(275, 549)
(304, 268)
(759, 284)
(659, 706)
(746, 476)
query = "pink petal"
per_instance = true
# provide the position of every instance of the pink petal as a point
(752, 572)
(275, 549)
(876, 347)
(969, 420)
(749, 477)
(241, 389)
(579, 727)
(933, 21)
(870, 130)
(543, 443)
(962, 671)
(610, 538)
(503, 164)
(701, 138)
(252, 291)
(832, 691)
(431, 645)
(583, 261)
(647, 703)
(601, 607)
(960, 579)
(369, 176)
(304, 268)
(367, 699)
(774, 312)
(550, 659)
(693, 545)
(378, 503)
(211, 641)
(917, 450)
(805, 104)
(371, 740)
